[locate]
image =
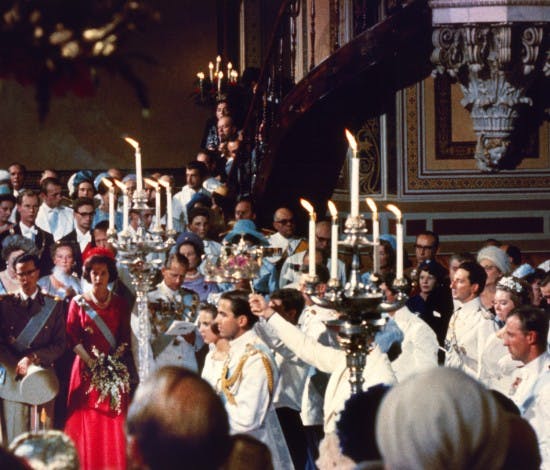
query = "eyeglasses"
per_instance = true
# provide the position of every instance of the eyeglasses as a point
(86, 214)
(26, 273)
(285, 221)
(424, 247)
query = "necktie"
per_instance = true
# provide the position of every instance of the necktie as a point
(53, 217)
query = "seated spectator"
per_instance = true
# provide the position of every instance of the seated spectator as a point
(176, 420)
(441, 419)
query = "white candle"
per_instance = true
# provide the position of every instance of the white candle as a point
(354, 176)
(218, 61)
(375, 236)
(229, 67)
(399, 237)
(211, 71)
(111, 187)
(311, 239)
(220, 77)
(168, 188)
(333, 241)
(125, 204)
(234, 75)
(155, 185)
(200, 76)
(139, 173)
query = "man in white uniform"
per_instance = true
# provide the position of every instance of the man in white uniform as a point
(170, 303)
(525, 337)
(470, 325)
(249, 378)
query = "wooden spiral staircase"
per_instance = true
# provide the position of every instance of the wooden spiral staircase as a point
(294, 133)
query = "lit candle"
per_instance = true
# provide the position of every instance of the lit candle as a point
(311, 242)
(354, 184)
(125, 204)
(375, 235)
(211, 71)
(234, 75)
(218, 61)
(139, 175)
(200, 76)
(155, 185)
(220, 77)
(107, 182)
(168, 189)
(333, 241)
(399, 237)
(229, 68)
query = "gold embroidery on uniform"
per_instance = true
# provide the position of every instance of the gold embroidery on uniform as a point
(228, 382)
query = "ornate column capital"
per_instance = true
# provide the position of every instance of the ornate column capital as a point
(495, 65)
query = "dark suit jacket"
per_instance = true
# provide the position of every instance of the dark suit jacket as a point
(43, 241)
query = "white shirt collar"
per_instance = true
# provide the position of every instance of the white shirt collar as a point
(25, 296)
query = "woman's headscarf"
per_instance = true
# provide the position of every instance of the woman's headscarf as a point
(441, 419)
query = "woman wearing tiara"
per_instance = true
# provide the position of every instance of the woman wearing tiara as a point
(495, 364)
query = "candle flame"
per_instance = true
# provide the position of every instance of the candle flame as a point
(200, 76)
(218, 59)
(43, 416)
(107, 182)
(220, 75)
(120, 184)
(164, 184)
(332, 209)
(210, 65)
(372, 205)
(392, 208)
(307, 206)
(132, 142)
(351, 140)
(151, 182)
(229, 65)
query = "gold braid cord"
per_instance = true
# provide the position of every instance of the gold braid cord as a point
(228, 382)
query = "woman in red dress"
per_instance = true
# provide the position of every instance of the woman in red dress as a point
(97, 319)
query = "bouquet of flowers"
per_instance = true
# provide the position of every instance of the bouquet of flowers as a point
(110, 377)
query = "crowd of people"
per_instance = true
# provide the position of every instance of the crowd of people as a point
(458, 377)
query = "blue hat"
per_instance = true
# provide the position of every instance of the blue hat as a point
(199, 198)
(4, 189)
(83, 175)
(98, 179)
(129, 177)
(191, 239)
(390, 239)
(524, 270)
(245, 227)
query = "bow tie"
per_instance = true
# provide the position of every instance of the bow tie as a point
(28, 231)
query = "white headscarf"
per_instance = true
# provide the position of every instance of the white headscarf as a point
(441, 419)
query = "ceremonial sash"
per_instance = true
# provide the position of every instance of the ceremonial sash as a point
(94, 316)
(543, 380)
(34, 326)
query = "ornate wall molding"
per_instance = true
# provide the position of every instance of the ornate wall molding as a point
(495, 66)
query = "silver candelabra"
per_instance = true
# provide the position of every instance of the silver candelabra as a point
(136, 252)
(361, 305)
